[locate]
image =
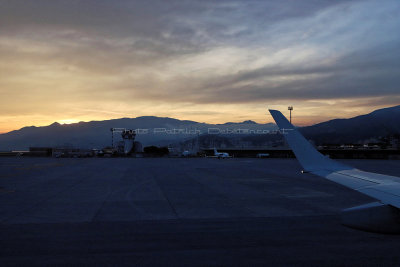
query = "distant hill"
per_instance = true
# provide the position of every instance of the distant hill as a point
(379, 123)
(97, 134)
(361, 129)
(164, 131)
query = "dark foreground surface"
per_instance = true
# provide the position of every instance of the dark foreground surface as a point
(182, 212)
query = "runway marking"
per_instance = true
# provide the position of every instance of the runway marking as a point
(97, 212)
(165, 196)
(128, 196)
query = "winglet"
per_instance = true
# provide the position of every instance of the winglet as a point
(309, 158)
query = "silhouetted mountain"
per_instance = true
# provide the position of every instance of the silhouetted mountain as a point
(97, 134)
(380, 123)
(163, 131)
(361, 129)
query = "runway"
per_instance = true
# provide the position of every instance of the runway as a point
(174, 211)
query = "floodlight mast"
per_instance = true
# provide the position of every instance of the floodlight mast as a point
(290, 108)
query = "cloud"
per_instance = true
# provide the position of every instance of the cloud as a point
(59, 56)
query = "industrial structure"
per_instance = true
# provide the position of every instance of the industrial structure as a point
(127, 145)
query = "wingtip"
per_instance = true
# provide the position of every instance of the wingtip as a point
(273, 111)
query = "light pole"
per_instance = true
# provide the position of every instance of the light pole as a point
(112, 137)
(290, 108)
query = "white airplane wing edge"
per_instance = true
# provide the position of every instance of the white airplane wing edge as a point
(382, 187)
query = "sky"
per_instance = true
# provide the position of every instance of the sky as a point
(208, 61)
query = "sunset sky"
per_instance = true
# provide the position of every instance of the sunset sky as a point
(208, 61)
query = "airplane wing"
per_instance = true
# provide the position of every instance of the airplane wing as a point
(384, 188)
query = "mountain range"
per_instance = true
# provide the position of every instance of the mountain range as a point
(377, 124)
(97, 134)
(162, 131)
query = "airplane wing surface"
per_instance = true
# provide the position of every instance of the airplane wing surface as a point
(382, 187)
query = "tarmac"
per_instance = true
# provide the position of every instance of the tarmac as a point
(182, 212)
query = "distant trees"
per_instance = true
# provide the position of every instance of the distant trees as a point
(156, 151)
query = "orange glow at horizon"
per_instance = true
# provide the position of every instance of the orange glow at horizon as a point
(68, 121)
(304, 114)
